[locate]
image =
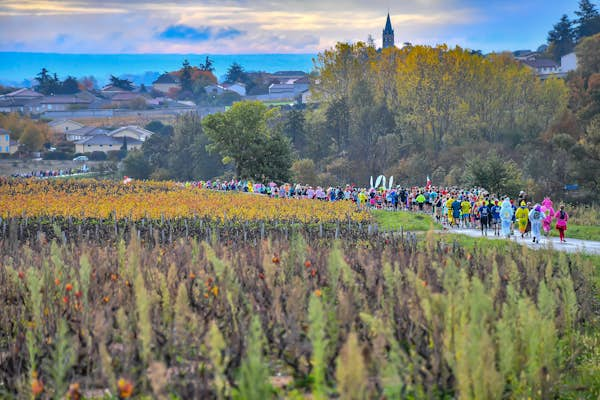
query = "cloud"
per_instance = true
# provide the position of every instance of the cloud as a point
(267, 26)
(228, 33)
(185, 33)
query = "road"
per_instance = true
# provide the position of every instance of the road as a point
(571, 246)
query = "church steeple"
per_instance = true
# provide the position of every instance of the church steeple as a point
(388, 34)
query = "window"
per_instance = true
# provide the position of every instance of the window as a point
(7, 149)
(7, 138)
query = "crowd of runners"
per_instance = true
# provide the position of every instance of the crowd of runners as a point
(452, 207)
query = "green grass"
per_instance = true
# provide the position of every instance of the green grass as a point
(408, 221)
(584, 232)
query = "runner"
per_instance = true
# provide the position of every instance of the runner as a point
(536, 217)
(561, 222)
(496, 218)
(484, 215)
(506, 216)
(549, 212)
(465, 209)
(522, 215)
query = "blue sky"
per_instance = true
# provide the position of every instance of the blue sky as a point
(268, 26)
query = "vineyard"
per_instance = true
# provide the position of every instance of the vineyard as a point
(160, 212)
(290, 312)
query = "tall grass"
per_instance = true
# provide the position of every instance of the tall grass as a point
(298, 317)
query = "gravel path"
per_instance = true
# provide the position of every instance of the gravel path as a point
(571, 246)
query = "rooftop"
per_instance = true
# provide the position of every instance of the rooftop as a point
(107, 140)
(167, 78)
(24, 92)
(541, 63)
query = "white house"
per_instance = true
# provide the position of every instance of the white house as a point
(64, 125)
(568, 63)
(105, 144)
(237, 87)
(85, 132)
(544, 68)
(290, 87)
(132, 132)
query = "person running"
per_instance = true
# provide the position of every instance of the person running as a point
(449, 203)
(548, 210)
(420, 201)
(465, 212)
(456, 212)
(506, 217)
(522, 216)
(561, 222)
(536, 217)
(496, 218)
(484, 216)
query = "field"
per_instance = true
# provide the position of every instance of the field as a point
(259, 298)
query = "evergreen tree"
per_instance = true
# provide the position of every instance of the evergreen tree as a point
(124, 84)
(188, 158)
(561, 38)
(207, 65)
(293, 127)
(235, 73)
(123, 149)
(186, 76)
(135, 165)
(588, 20)
(69, 86)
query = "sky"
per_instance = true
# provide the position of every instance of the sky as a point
(269, 26)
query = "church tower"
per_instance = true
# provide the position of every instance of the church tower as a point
(388, 34)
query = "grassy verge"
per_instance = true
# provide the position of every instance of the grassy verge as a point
(407, 221)
(584, 232)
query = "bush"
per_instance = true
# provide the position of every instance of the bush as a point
(57, 155)
(97, 156)
(114, 155)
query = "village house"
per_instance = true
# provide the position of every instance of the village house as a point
(131, 132)
(166, 82)
(287, 75)
(7, 145)
(236, 87)
(18, 100)
(84, 132)
(63, 102)
(105, 143)
(64, 125)
(124, 99)
(290, 88)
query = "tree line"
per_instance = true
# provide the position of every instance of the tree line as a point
(566, 33)
(449, 113)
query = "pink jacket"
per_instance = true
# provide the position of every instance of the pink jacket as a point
(561, 222)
